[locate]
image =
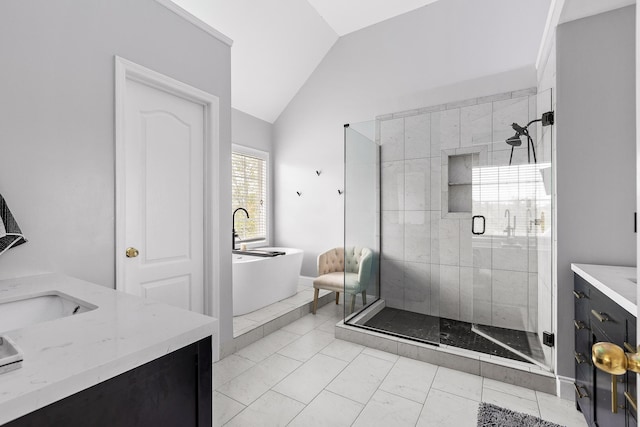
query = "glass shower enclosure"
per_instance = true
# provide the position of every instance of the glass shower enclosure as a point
(361, 207)
(459, 222)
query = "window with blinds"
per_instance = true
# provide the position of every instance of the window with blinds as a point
(249, 191)
(518, 189)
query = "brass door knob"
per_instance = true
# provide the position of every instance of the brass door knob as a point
(132, 252)
(612, 359)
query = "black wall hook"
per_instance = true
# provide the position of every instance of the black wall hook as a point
(340, 191)
(298, 193)
(318, 173)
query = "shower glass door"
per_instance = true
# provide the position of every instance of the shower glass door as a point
(511, 232)
(361, 212)
(387, 210)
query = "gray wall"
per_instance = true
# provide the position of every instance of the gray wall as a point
(253, 132)
(57, 125)
(425, 57)
(595, 161)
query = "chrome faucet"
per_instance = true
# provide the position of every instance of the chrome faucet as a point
(511, 231)
(233, 230)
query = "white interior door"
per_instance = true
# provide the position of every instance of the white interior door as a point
(164, 138)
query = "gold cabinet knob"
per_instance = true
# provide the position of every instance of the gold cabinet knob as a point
(132, 252)
(612, 359)
(609, 358)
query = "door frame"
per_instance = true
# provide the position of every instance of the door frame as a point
(127, 70)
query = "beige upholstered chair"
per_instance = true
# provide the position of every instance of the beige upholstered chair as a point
(334, 276)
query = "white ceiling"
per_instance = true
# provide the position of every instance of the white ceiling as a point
(277, 44)
(347, 16)
(577, 9)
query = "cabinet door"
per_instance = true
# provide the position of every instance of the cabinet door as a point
(631, 377)
(584, 391)
(175, 390)
(584, 373)
(604, 416)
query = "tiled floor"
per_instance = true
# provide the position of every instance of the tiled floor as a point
(301, 375)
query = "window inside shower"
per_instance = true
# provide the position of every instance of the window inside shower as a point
(460, 226)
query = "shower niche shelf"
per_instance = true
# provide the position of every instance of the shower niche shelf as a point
(456, 194)
(457, 188)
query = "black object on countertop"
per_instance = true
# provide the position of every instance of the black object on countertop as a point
(10, 233)
(258, 252)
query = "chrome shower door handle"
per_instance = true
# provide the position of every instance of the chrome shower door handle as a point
(476, 219)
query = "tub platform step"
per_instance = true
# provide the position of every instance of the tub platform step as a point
(272, 318)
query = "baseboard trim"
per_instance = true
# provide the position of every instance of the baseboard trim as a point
(565, 388)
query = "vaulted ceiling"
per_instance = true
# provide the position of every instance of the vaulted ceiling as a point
(277, 44)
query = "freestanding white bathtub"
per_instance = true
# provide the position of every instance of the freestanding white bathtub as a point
(260, 281)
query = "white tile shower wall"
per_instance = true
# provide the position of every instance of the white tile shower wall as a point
(475, 125)
(482, 298)
(507, 112)
(393, 235)
(445, 130)
(392, 140)
(429, 263)
(417, 187)
(417, 236)
(392, 282)
(392, 178)
(417, 144)
(417, 287)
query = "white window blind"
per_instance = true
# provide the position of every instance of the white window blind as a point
(249, 181)
(519, 189)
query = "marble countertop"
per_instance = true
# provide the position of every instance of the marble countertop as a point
(618, 283)
(70, 354)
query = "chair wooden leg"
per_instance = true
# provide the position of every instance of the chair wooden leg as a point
(353, 302)
(364, 297)
(337, 298)
(315, 300)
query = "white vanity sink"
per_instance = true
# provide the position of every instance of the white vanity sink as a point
(24, 312)
(19, 313)
(112, 333)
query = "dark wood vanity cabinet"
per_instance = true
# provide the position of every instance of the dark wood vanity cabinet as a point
(596, 319)
(173, 390)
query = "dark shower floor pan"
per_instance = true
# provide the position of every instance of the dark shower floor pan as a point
(456, 333)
